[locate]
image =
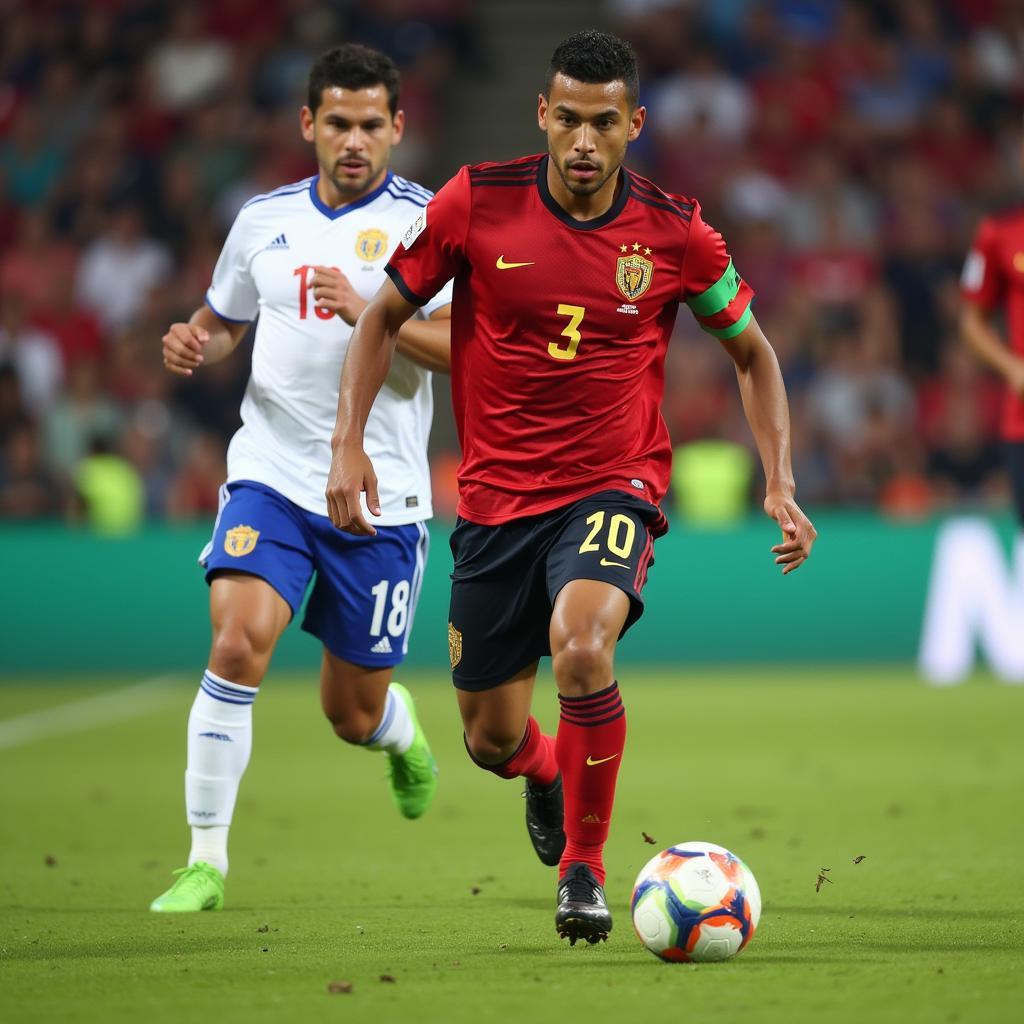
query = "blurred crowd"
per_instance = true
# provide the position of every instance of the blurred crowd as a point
(131, 132)
(845, 149)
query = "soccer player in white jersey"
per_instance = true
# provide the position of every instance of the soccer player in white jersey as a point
(304, 259)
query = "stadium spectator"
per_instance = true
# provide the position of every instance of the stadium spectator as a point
(188, 66)
(34, 354)
(110, 496)
(28, 490)
(30, 159)
(193, 492)
(12, 405)
(711, 482)
(117, 272)
(82, 413)
(75, 328)
(35, 247)
(705, 93)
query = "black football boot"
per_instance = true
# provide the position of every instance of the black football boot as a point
(544, 820)
(582, 912)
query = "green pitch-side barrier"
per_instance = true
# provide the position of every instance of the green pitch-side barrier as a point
(73, 601)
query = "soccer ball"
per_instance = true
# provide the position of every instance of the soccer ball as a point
(695, 902)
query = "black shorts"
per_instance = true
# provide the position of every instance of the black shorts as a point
(506, 578)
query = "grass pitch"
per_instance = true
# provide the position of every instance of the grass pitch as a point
(449, 918)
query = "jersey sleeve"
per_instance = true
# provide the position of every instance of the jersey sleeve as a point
(982, 281)
(719, 298)
(232, 294)
(442, 298)
(433, 249)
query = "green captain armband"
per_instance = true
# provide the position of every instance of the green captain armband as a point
(710, 305)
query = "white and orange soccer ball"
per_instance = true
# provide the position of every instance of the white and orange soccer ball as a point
(695, 902)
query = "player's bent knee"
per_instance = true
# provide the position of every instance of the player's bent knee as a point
(352, 727)
(491, 748)
(582, 664)
(234, 656)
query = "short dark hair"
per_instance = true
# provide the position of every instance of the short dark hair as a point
(594, 57)
(353, 66)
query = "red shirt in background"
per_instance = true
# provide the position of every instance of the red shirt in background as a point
(993, 276)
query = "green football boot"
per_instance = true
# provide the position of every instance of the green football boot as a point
(414, 773)
(198, 887)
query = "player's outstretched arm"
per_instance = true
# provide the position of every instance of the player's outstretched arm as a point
(205, 339)
(362, 376)
(767, 409)
(984, 341)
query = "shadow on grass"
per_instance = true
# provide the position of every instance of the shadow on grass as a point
(638, 960)
(128, 947)
(844, 946)
(536, 903)
(948, 912)
(847, 959)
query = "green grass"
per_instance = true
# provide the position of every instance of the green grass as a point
(795, 771)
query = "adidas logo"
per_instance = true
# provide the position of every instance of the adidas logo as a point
(382, 646)
(279, 243)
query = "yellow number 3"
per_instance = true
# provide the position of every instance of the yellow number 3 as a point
(576, 314)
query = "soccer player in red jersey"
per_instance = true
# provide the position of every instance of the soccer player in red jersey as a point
(993, 278)
(569, 270)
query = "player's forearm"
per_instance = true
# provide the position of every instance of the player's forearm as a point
(224, 337)
(366, 367)
(984, 341)
(428, 343)
(763, 393)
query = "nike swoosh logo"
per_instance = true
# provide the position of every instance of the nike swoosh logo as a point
(601, 760)
(502, 265)
(621, 565)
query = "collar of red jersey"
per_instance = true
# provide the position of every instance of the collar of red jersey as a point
(581, 225)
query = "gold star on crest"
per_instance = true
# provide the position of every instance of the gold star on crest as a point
(647, 251)
(623, 248)
(636, 247)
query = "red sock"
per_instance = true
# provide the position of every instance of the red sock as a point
(534, 758)
(591, 738)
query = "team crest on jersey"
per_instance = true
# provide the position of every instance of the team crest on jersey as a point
(454, 645)
(633, 275)
(371, 244)
(240, 540)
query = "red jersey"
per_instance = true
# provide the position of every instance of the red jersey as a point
(559, 331)
(993, 275)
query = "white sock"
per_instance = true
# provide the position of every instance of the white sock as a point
(219, 744)
(210, 843)
(395, 732)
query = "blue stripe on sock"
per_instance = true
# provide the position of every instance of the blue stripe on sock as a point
(231, 694)
(227, 693)
(234, 688)
(223, 700)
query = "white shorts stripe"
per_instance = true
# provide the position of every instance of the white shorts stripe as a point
(223, 497)
(422, 550)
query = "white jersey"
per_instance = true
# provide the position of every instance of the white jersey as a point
(291, 401)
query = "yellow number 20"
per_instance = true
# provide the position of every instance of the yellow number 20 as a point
(621, 534)
(576, 315)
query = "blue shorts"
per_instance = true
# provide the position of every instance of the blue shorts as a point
(364, 597)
